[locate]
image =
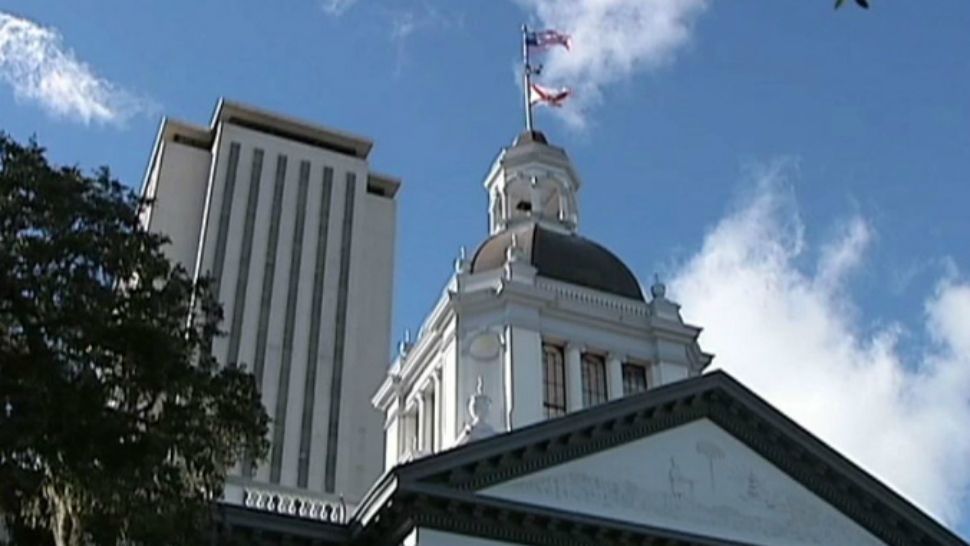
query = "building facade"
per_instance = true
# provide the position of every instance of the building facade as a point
(297, 234)
(547, 399)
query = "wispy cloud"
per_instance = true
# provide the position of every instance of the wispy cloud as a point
(416, 18)
(420, 16)
(403, 20)
(403, 25)
(37, 66)
(337, 7)
(612, 40)
(789, 331)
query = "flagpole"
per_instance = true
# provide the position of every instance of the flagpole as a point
(526, 78)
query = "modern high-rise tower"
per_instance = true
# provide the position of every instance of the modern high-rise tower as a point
(297, 233)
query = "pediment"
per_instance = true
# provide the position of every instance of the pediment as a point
(696, 478)
(698, 461)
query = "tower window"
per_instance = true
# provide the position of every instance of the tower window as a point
(524, 206)
(554, 381)
(594, 380)
(634, 379)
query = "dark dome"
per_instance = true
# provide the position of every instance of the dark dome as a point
(567, 258)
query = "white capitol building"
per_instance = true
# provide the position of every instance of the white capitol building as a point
(547, 399)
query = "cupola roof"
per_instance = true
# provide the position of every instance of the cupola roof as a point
(564, 257)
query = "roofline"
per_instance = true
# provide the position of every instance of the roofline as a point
(171, 129)
(740, 402)
(253, 118)
(486, 504)
(832, 457)
(153, 158)
(249, 116)
(235, 516)
(387, 184)
(544, 430)
(375, 498)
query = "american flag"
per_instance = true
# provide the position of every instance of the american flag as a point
(547, 38)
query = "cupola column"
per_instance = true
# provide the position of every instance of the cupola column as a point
(574, 377)
(535, 196)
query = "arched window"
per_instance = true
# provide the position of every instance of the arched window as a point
(553, 381)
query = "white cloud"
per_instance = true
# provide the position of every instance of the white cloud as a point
(420, 16)
(842, 255)
(403, 25)
(794, 338)
(612, 39)
(337, 7)
(417, 18)
(35, 64)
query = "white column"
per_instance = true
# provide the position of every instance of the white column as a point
(614, 373)
(574, 377)
(402, 421)
(436, 410)
(523, 377)
(392, 440)
(535, 198)
(421, 428)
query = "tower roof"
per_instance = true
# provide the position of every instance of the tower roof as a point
(565, 257)
(531, 136)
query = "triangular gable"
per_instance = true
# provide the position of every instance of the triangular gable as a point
(695, 478)
(803, 472)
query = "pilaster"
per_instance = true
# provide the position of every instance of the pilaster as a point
(614, 374)
(574, 377)
(436, 420)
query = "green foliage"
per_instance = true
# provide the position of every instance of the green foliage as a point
(115, 424)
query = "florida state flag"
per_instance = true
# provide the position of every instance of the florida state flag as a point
(544, 95)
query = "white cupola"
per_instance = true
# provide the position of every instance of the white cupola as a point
(532, 182)
(538, 322)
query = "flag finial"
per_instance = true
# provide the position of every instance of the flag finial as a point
(526, 78)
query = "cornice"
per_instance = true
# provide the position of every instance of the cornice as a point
(444, 491)
(593, 297)
(725, 402)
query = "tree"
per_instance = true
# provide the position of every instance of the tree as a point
(116, 424)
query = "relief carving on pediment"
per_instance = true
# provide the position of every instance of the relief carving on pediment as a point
(711, 490)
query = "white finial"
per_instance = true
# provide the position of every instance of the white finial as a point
(405, 344)
(526, 78)
(461, 263)
(659, 289)
(512, 253)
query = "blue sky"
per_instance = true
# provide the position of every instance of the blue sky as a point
(768, 159)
